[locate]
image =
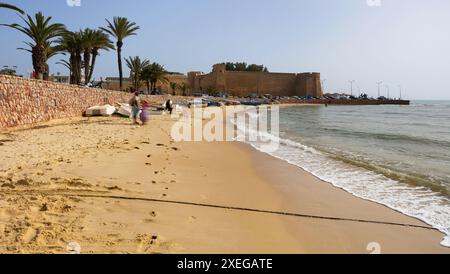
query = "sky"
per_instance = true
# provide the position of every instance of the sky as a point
(400, 42)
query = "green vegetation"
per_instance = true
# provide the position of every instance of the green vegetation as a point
(184, 88)
(136, 66)
(174, 87)
(152, 74)
(120, 28)
(11, 7)
(8, 71)
(43, 34)
(242, 66)
(83, 48)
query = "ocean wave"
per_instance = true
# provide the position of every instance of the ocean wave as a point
(364, 182)
(388, 137)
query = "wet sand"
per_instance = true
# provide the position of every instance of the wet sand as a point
(116, 188)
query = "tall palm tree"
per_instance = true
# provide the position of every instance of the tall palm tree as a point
(174, 86)
(11, 7)
(87, 38)
(184, 87)
(136, 65)
(50, 52)
(42, 33)
(71, 42)
(120, 28)
(100, 41)
(152, 74)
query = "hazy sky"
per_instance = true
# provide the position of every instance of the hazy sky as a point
(400, 42)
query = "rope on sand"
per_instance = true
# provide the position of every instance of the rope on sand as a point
(253, 210)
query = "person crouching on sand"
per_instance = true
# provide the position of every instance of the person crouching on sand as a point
(135, 102)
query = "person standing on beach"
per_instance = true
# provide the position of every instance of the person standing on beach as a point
(169, 106)
(135, 102)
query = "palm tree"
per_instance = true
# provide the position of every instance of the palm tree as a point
(100, 41)
(11, 7)
(71, 42)
(50, 52)
(152, 74)
(66, 64)
(87, 37)
(145, 76)
(43, 34)
(174, 86)
(136, 65)
(184, 87)
(120, 28)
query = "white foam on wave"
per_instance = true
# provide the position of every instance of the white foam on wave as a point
(417, 202)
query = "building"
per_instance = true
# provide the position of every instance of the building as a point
(235, 83)
(242, 83)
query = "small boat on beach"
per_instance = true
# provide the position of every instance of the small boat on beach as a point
(124, 110)
(106, 110)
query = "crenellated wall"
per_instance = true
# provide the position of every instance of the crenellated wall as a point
(241, 83)
(25, 101)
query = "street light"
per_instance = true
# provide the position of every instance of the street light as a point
(379, 88)
(351, 86)
(323, 84)
(400, 87)
(388, 91)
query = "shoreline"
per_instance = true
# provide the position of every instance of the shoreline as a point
(77, 175)
(314, 197)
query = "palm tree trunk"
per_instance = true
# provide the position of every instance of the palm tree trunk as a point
(148, 86)
(119, 61)
(46, 73)
(73, 68)
(87, 66)
(78, 70)
(94, 58)
(39, 61)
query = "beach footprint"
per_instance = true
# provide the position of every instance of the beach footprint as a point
(146, 242)
(192, 219)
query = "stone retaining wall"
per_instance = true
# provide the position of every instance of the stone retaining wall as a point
(26, 102)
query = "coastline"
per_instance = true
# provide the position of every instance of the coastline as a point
(137, 191)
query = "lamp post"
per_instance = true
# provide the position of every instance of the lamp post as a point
(388, 91)
(379, 88)
(351, 86)
(400, 87)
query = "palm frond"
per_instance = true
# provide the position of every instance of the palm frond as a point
(11, 7)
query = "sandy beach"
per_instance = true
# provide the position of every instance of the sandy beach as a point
(113, 187)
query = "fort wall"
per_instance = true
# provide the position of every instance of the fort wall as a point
(241, 83)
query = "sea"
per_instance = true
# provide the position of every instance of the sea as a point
(398, 156)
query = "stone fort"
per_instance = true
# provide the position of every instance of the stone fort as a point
(242, 83)
(237, 83)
